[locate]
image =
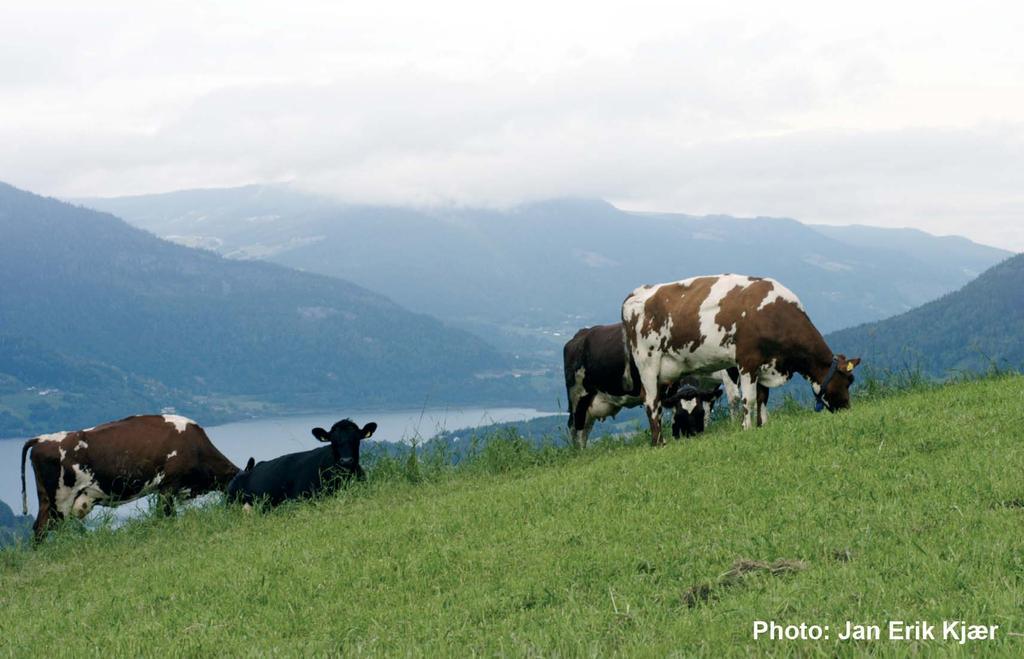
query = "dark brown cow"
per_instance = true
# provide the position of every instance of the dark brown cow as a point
(121, 461)
(704, 324)
(597, 385)
(595, 362)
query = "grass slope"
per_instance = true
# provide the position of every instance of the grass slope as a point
(907, 507)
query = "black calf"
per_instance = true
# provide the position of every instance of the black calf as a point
(691, 408)
(305, 474)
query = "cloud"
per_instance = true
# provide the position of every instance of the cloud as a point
(790, 110)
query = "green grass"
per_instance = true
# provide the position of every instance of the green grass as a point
(907, 507)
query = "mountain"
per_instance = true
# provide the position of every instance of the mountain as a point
(13, 527)
(971, 257)
(978, 326)
(97, 309)
(528, 277)
(42, 389)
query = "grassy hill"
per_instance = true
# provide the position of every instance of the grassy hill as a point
(979, 326)
(907, 507)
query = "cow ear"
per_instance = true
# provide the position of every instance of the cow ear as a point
(369, 429)
(853, 363)
(321, 434)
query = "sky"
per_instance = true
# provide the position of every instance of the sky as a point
(880, 113)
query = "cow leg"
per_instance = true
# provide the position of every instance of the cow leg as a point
(730, 380)
(654, 419)
(652, 404)
(582, 421)
(762, 404)
(585, 432)
(748, 396)
(677, 421)
(42, 519)
(46, 495)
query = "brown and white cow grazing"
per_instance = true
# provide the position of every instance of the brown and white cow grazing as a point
(121, 461)
(596, 360)
(704, 324)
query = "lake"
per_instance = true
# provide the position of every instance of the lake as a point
(274, 436)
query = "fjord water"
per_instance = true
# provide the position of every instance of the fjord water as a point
(268, 438)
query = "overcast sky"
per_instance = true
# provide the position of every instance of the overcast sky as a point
(885, 113)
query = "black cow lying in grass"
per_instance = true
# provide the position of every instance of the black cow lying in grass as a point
(305, 474)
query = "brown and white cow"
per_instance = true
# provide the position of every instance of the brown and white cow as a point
(596, 360)
(705, 324)
(119, 462)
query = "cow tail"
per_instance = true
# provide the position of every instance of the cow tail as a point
(24, 494)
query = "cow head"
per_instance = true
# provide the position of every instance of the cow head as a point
(692, 409)
(835, 390)
(344, 437)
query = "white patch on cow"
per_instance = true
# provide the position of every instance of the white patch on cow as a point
(152, 484)
(52, 437)
(172, 454)
(179, 422)
(605, 405)
(779, 292)
(717, 334)
(81, 495)
(770, 376)
(89, 429)
(81, 445)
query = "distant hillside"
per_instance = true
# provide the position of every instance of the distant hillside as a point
(42, 389)
(977, 326)
(528, 277)
(12, 527)
(971, 257)
(119, 318)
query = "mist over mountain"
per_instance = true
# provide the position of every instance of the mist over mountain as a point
(98, 316)
(972, 329)
(526, 278)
